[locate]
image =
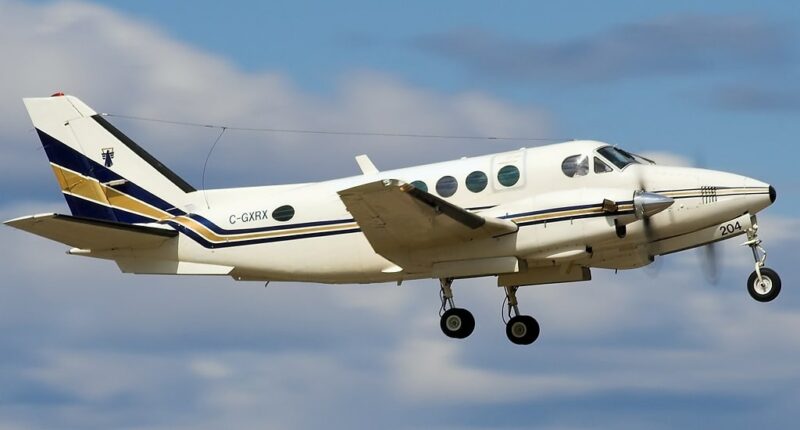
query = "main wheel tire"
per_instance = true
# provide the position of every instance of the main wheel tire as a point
(767, 291)
(522, 329)
(457, 323)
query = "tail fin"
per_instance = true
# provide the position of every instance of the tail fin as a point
(103, 173)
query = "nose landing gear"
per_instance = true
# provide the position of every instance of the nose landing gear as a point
(764, 284)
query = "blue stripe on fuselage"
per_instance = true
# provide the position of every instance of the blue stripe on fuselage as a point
(561, 209)
(219, 230)
(208, 244)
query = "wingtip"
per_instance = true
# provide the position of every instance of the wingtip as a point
(17, 220)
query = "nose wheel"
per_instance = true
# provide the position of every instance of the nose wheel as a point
(764, 284)
(520, 329)
(455, 322)
(766, 288)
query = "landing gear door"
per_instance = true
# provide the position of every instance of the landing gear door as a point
(508, 171)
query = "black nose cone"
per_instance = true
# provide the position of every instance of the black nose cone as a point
(772, 194)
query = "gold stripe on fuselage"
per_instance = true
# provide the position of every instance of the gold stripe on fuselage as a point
(211, 236)
(91, 189)
(569, 213)
(712, 192)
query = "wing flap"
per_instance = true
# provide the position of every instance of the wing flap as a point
(398, 218)
(96, 235)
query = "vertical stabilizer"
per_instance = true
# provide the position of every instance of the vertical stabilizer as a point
(103, 173)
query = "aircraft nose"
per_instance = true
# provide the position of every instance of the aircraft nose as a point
(763, 194)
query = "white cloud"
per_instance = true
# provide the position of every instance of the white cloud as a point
(430, 371)
(209, 368)
(93, 376)
(668, 158)
(123, 66)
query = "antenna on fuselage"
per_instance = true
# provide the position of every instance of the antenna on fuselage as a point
(366, 165)
(343, 132)
(205, 165)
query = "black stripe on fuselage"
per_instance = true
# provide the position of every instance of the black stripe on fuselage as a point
(212, 245)
(209, 224)
(564, 209)
(697, 196)
(219, 230)
(572, 217)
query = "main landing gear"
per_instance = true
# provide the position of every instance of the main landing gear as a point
(764, 284)
(459, 323)
(520, 329)
(455, 322)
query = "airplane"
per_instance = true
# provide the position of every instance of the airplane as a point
(541, 215)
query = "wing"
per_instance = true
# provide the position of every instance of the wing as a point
(92, 234)
(398, 218)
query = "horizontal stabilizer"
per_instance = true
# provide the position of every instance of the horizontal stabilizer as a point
(92, 234)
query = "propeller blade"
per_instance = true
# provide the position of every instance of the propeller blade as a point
(654, 268)
(709, 257)
(645, 205)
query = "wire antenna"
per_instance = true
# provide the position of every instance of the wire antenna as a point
(338, 132)
(205, 165)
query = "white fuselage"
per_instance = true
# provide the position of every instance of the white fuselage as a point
(558, 219)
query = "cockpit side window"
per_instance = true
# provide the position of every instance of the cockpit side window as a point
(600, 166)
(576, 165)
(617, 156)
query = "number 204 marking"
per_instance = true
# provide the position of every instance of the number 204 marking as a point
(730, 228)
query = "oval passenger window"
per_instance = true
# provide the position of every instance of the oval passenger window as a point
(283, 213)
(508, 176)
(476, 181)
(446, 186)
(420, 186)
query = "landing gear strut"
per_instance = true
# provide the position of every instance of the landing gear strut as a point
(455, 322)
(764, 284)
(520, 329)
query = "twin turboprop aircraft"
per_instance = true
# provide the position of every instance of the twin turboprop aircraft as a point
(533, 216)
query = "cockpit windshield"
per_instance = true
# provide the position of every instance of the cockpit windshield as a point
(622, 158)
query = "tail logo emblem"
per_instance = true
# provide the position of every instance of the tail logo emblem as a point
(108, 156)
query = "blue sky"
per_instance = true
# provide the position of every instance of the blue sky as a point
(82, 346)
